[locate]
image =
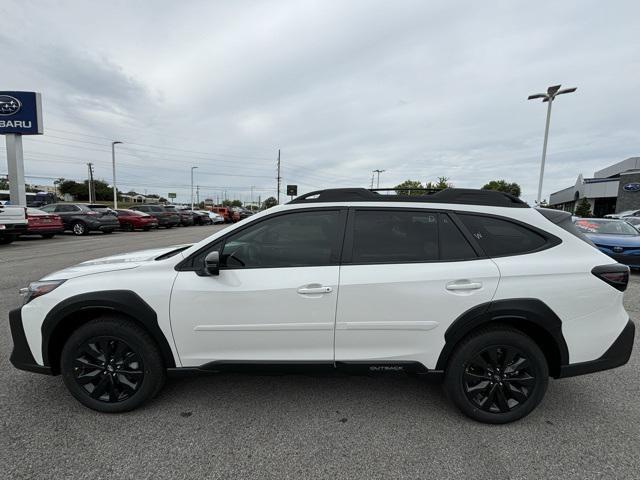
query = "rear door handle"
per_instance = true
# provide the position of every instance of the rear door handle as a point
(456, 286)
(314, 289)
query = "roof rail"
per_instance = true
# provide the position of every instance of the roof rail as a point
(464, 196)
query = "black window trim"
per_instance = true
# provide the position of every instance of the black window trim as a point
(347, 251)
(187, 266)
(550, 239)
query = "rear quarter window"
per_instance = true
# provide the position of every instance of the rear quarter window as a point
(501, 237)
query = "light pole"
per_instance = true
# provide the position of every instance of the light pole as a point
(378, 172)
(113, 162)
(192, 169)
(552, 93)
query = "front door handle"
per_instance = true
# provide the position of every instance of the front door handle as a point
(457, 286)
(314, 289)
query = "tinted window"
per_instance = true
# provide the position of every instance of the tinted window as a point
(66, 208)
(294, 240)
(386, 236)
(48, 208)
(453, 245)
(502, 237)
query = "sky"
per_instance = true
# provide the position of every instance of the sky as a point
(418, 89)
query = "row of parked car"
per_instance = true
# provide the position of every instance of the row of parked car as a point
(82, 218)
(617, 237)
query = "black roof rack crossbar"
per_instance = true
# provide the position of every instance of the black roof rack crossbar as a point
(464, 196)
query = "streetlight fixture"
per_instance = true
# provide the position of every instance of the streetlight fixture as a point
(378, 172)
(552, 93)
(113, 162)
(192, 169)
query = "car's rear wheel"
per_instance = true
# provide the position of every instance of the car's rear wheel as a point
(79, 228)
(112, 365)
(497, 375)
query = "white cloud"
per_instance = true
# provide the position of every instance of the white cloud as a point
(420, 89)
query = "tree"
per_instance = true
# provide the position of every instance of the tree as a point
(403, 188)
(503, 186)
(584, 208)
(442, 183)
(4, 184)
(269, 202)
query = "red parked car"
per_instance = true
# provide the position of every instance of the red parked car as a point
(43, 223)
(132, 219)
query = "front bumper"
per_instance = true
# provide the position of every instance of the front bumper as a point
(21, 356)
(617, 355)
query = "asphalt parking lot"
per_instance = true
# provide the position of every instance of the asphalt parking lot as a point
(237, 426)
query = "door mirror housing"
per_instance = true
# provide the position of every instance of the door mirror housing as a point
(212, 263)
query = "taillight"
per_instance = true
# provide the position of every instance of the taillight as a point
(616, 275)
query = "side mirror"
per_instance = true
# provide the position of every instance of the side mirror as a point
(212, 263)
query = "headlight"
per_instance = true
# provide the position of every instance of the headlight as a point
(37, 289)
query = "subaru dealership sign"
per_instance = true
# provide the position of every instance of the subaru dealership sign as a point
(21, 113)
(632, 187)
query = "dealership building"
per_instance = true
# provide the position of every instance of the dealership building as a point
(611, 190)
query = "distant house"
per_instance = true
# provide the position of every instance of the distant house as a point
(137, 198)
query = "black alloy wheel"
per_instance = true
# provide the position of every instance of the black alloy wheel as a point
(496, 375)
(499, 379)
(111, 364)
(108, 369)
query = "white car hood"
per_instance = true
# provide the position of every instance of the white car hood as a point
(121, 261)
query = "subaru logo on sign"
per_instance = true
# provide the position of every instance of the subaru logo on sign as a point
(632, 187)
(9, 105)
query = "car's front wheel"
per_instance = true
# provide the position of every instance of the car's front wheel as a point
(112, 365)
(497, 375)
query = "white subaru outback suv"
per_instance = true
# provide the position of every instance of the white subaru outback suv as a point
(471, 286)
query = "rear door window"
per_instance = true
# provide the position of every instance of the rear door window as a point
(407, 236)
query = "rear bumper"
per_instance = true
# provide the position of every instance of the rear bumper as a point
(36, 229)
(13, 228)
(617, 355)
(21, 356)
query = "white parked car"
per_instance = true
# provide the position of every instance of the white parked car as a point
(13, 223)
(473, 287)
(216, 218)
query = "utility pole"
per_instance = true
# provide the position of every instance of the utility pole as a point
(279, 177)
(372, 175)
(113, 162)
(378, 172)
(252, 187)
(552, 93)
(259, 202)
(192, 169)
(91, 187)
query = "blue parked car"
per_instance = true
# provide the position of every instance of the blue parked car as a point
(616, 238)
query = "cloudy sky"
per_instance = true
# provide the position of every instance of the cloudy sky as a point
(419, 89)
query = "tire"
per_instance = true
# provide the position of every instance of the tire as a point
(79, 228)
(115, 391)
(496, 375)
(48, 235)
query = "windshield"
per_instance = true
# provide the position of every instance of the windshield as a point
(610, 227)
